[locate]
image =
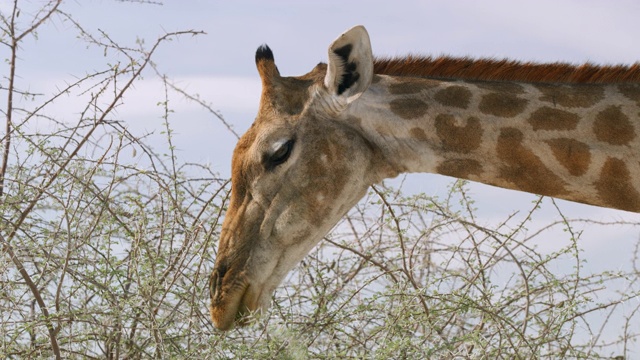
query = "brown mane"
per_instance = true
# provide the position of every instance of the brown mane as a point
(505, 70)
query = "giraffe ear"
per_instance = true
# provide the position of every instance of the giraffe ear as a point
(350, 67)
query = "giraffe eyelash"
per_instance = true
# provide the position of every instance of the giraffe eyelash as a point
(279, 154)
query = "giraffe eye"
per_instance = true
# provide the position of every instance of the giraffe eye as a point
(280, 154)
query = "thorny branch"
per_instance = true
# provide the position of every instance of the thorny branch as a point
(14, 39)
(24, 213)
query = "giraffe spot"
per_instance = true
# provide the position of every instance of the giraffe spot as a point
(354, 120)
(384, 130)
(418, 134)
(502, 87)
(408, 108)
(612, 126)
(455, 96)
(460, 168)
(461, 139)
(547, 118)
(572, 154)
(522, 169)
(615, 187)
(631, 92)
(411, 86)
(502, 104)
(571, 96)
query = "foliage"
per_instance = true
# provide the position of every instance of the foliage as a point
(107, 246)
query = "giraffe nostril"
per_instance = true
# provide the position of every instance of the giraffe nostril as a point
(215, 282)
(222, 270)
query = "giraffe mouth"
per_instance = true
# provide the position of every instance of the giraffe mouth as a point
(236, 306)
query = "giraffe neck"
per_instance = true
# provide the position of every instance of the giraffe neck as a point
(573, 141)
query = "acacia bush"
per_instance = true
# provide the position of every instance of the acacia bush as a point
(108, 243)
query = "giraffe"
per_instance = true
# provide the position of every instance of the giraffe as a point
(321, 139)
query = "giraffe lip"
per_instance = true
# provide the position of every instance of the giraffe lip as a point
(227, 308)
(236, 307)
(248, 305)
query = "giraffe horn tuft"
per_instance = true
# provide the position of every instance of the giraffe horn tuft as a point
(264, 53)
(266, 65)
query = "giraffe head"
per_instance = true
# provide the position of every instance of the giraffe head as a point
(298, 169)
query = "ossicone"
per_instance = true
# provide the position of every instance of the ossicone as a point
(264, 53)
(266, 65)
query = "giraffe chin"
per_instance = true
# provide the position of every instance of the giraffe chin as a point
(236, 308)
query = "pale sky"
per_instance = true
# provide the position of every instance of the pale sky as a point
(220, 65)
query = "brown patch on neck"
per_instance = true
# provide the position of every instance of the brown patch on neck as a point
(409, 108)
(547, 118)
(613, 126)
(505, 70)
(454, 96)
(502, 104)
(523, 169)
(572, 154)
(418, 134)
(615, 187)
(571, 97)
(460, 168)
(630, 91)
(460, 139)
